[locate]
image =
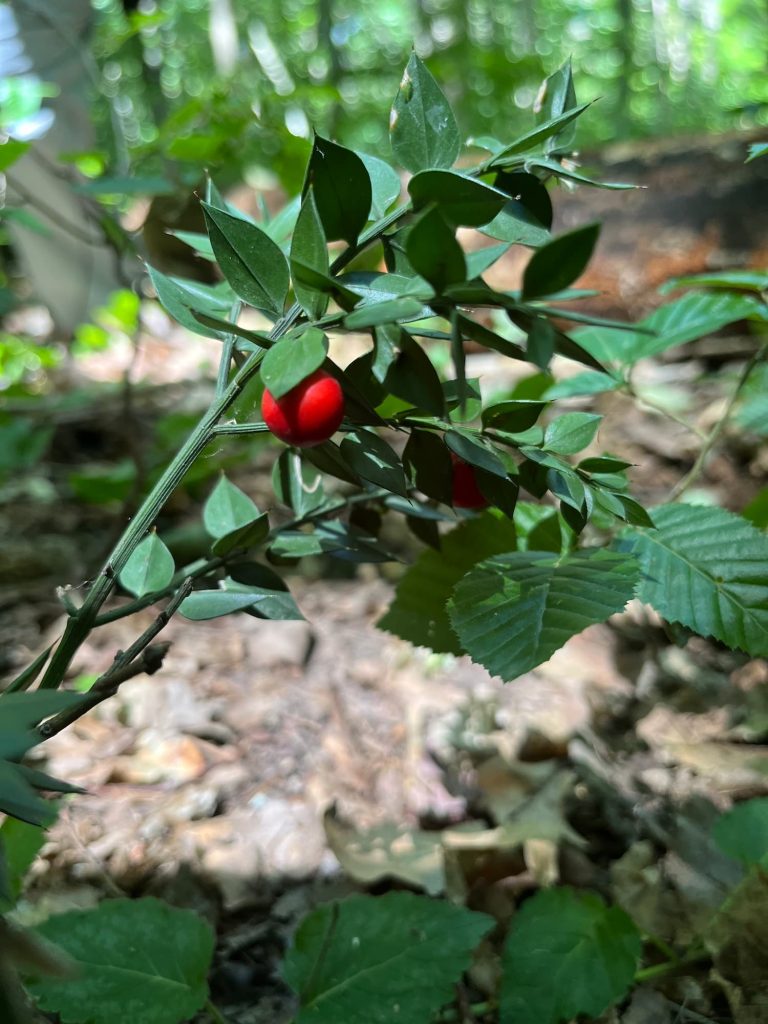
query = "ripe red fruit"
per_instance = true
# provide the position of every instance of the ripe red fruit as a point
(464, 490)
(308, 414)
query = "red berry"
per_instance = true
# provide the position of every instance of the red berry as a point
(308, 414)
(464, 489)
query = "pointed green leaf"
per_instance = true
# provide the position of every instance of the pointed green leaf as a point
(422, 127)
(484, 336)
(707, 569)
(461, 200)
(545, 131)
(476, 451)
(20, 713)
(742, 832)
(410, 374)
(513, 416)
(395, 957)
(342, 189)
(560, 171)
(202, 605)
(20, 843)
(557, 265)
(558, 97)
(227, 509)
(591, 382)
(19, 799)
(150, 567)
(249, 259)
(389, 311)
(428, 462)
(274, 598)
(513, 611)
(738, 280)
(291, 360)
(418, 612)
(373, 460)
(137, 960)
(566, 955)
(480, 260)
(180, 298)
(309, 249)
(514, 223)
(243, 537)
(434, 252)
(571, 432)
(385, 185)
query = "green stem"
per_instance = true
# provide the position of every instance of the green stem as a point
(663, 411)
(709, 442)
(216, 1015)
(670, 966)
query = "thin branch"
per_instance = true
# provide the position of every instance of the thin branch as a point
(711, 439)
(53, 215)
(663, 411)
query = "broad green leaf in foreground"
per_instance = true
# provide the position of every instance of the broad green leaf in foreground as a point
(292, 360)
(342, 189)
(227, 509)
(418, 612)
(150, 567)
(422, 126)
(707, 569)
(370, 960)
(513, 611)
(138, 960)
(742, 832)
(567, 954)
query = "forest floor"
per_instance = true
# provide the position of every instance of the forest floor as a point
(273, 765)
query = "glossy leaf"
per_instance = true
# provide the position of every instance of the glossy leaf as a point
(513, 416)
(567, 955)
(275, 600)
(202, 605)
(150, 567)
(490, 339)
(341, 187)
(707, 569)
(480, 260)
(560, 171)
(179, 298)
(385, 185)
(389, 311)
(515, 223)
(547, 129)
(422, 127)
(373, 460)
(367, 960)
(243, 537)
(136, 960)
(571, 432)
(476, 451)
(558, 97)
(309, 249)
(513, 611)
(434, 252)
(428, 462)
(461, 200)
(252, 263)
(557, 265)
(410, 374)
(292, 359)
(227, 509)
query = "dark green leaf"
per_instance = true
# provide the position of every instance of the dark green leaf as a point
(558, 97)
(328, 459)
(571, 432)
(291, 360)
(19, 799)
(513, 416)
(385, 185)
(373, 460)
(418, 612)
(484, 336)
(559, 171)
(542, 339)
(530, 191)
(422, 126)
(515, 223)
(557, 265)
(369, 960)
(410, 375)
(428, 462)
(500, 492)
(247, 536)
(275, 601)
(28, 675)
(309, 249)
(756, 511)
(461, 200)
(296, 484)
(249, 259)
(434, 252)
(137, 960)
(21, 712)
(742, 832)
(20, 843)
(603, 464)
(227, 508)
(476, 451)
(548, 128)
(513, 611)
(150, 567)
(707, 569)
(567, 954)
(480, 260)
(342, 190)
(389, 311)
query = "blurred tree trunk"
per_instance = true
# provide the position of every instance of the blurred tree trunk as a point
(626, 48)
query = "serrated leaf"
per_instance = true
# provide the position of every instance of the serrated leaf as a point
(342, 189)
(150, 567)
(707, 569)
(252, 263)
(422, 127)
(309, 249)
(374, 460)
(227, 509)
(742, 832)
(567, 954)
(369, 960)
(385, 185)
(418, 612)
(461, 200)
(688, 318)
(137, 960)
(513, 611)
(434, 252)
(291, 360)
(557, 265)
(571, 432)
(180, 298)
